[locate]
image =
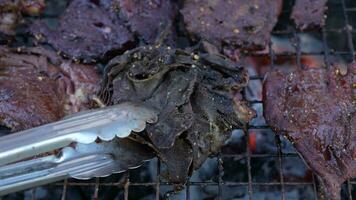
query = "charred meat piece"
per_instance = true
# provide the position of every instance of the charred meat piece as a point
(240, 23)
(178, 160)
(309, 13)
(193, 94)
(148, 18)
(85, 31)
(315, 109)
(38, 87)
(11, 13)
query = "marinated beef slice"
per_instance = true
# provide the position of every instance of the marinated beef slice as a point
(315, 108)
(245, 24)
(39, 87)
(84, 31)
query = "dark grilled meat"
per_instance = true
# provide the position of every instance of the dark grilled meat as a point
(193, 94)
(38, 87)
(85, 31)
(239, 23)
(309, 13)
(315, 109)
(148, 18)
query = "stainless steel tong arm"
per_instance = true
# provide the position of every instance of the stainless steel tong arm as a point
(82, 161)
(83, 127)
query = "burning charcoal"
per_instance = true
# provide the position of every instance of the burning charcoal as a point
(85, 31)
(38, 87)
(193, 94)
(309, 13)
(315, 109)
(240, 23)
(148, 18)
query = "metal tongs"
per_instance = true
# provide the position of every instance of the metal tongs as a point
(27, 158)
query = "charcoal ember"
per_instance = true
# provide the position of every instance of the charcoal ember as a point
(85, 31)
(315, 109)
(38, 87)
(192, 93)
(148, 18)
(309, 13)
(245, 24)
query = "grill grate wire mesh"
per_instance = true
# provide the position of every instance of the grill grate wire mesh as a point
(127, 187)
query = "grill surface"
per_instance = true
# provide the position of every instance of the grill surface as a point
(256, 164)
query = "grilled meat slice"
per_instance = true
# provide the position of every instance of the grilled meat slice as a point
(315, 109)
(193, 94)
(38, 87)
(241, 23)
(148, 18)
(85, 31)
(309, 13)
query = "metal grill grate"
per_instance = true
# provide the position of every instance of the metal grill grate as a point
(244, 169)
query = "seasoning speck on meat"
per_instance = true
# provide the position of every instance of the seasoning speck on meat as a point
(238, 23)
(85, 31)
(39, 87)
(192, 93)
(315, 109)
(309, 13)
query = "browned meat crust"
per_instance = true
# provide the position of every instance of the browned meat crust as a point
(193, 94)
(240, 23)
(316, 110)
(38, 87)
(309, 13)
(85, 31)
(148, 18)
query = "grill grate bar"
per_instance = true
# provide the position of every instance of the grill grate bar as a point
(191, 183)
(220, 179)
(278, 143)
(315, 187)
(248, 163)
(158, 179)
(348, 29)
(65, 186)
